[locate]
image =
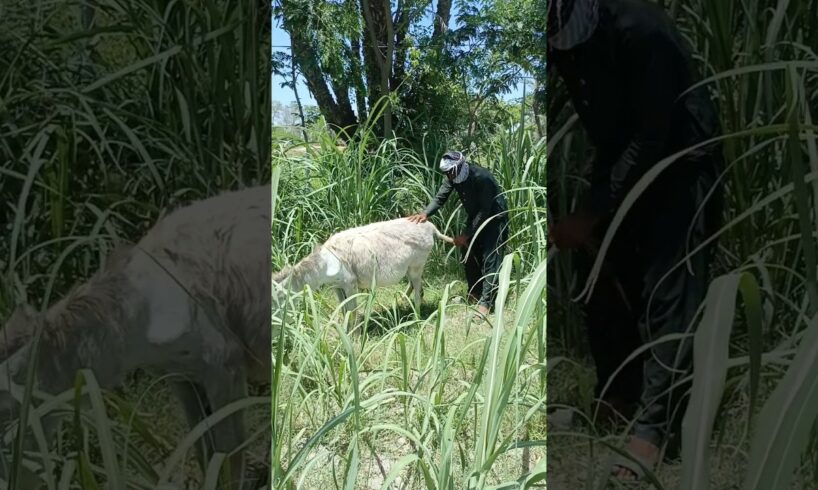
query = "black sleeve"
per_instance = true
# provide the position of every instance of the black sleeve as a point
(652, 59)
(440, 199)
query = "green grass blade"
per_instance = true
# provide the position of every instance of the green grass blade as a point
(192, 437)
(103, 427)
(754, 314)
(214, 467)
(353, 460)
(396, 470)
(786, 420)
(710, 355)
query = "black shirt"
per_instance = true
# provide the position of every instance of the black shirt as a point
(480, 195)
(625, 83)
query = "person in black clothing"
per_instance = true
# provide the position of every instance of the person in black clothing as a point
(484, 203)
(626, 69)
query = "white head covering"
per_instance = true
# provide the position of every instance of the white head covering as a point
(579, 26)
(455, 159)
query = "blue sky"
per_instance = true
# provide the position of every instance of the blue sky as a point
(286, 95)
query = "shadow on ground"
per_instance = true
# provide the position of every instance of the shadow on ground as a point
(384, 318)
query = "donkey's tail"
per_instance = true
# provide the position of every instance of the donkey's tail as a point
(440, 235)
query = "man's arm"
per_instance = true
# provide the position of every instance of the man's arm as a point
(653, 60)
(440, 199)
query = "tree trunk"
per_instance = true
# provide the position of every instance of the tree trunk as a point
(307, 59)
(402, 17)
(371, 66)
(441, 21)
(360, 87)
(378, 52)
(356, 64)
(341, 90)
(386, 68)
(537, 97)
(298, 99)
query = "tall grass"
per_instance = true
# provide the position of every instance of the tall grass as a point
(758, 62)
(110, 113)
(414, 401)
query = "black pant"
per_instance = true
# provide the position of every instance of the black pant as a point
(642, 294)
(483, 262)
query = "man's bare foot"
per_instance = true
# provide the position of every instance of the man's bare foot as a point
(482, 313)
(642, 450)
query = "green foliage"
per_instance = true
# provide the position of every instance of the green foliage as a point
(431, 99)
(76, 126)
(438, 82)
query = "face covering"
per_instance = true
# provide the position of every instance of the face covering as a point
(455, 160)
(463, 174)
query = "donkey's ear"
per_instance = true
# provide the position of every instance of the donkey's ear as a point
(316, 248)
(22, 315)
(19, 327)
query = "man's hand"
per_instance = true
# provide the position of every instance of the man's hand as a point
(417, 218)
(573, 231)
(461, 241)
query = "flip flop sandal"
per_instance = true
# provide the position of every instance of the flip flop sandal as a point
(480, 317)
(621, 462)
(635, 465)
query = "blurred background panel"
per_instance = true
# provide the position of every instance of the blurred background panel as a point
(114, 114)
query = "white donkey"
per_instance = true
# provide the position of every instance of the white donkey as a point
(192, 297)
(367, 257)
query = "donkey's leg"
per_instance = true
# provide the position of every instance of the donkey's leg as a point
(343, 292)
(226, 383)
(220, 371)
(352, 304)
(195, 405)
(341, 295)
(415, 274)
(348, 290)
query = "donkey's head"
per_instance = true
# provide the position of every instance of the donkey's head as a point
(18, 330)
(283, 275)
(15, 337)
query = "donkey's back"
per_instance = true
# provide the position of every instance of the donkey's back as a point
(386, 250)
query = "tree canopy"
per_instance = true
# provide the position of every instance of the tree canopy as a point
(408, 67)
